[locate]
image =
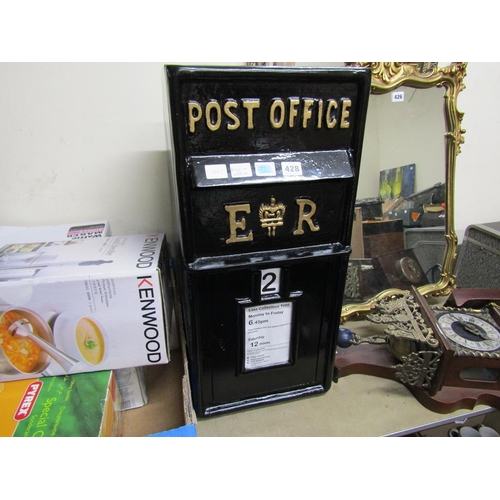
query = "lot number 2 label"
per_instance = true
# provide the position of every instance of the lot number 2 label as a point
(270, 281)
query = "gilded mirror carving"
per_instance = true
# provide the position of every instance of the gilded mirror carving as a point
(388, 77)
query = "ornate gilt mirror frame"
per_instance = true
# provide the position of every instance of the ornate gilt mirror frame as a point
(386, 77)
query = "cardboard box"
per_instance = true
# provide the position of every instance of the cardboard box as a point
(104, 303)
(75, 231)
(80, 405)
(131, 381)
(169, 412)
(358, 249)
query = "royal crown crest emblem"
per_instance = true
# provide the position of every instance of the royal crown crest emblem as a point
(271, 216)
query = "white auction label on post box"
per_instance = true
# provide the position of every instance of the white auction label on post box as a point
(239, 170)
(218, 171)
(268, 334)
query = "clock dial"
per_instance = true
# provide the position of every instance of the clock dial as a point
(410, 270)
(470, 331)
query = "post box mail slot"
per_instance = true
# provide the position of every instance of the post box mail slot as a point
(265, 172)
(259, 202)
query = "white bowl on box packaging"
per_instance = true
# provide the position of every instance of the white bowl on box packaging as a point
(81, 336)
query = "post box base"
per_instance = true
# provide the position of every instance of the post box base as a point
(264, 400)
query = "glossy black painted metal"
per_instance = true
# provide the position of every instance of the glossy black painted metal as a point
(266, 165)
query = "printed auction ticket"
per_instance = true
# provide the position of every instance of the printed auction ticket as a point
(268, 331)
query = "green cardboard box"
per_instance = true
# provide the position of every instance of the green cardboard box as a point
(79, 405)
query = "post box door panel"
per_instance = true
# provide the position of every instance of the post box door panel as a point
(239, 315)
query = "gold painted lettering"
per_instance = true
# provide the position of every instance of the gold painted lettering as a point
(193, 118)
(250, 105)
(297, 112)
(331, 119)
(235, 224)
(294, 102)
(346, 103)
(213, 105)
(320, 113)
(306, 115)
(305, 217)
(278, 105)
(227, 110)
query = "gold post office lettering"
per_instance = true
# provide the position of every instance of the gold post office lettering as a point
(292, 112)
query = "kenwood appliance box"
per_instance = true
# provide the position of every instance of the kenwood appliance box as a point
(83, 305)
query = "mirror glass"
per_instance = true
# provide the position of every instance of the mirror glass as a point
(403, 230)
(401, 194)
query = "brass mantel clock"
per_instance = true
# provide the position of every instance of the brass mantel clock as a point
(469, 332)
(470, 346)
(444, 355)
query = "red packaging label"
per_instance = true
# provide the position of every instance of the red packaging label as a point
(28, 401)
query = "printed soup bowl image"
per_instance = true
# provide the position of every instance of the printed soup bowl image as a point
(20, 354)
(82, 337)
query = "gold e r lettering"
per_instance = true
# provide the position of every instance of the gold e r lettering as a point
(235, 224)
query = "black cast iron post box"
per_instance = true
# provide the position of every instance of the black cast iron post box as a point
(266, 164)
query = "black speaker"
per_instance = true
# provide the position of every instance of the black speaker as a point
(428, 244)
(478, 263)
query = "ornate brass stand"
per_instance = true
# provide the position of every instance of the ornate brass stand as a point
(408, 338)
(410, 341)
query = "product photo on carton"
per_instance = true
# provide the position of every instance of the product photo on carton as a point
(86, 305)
